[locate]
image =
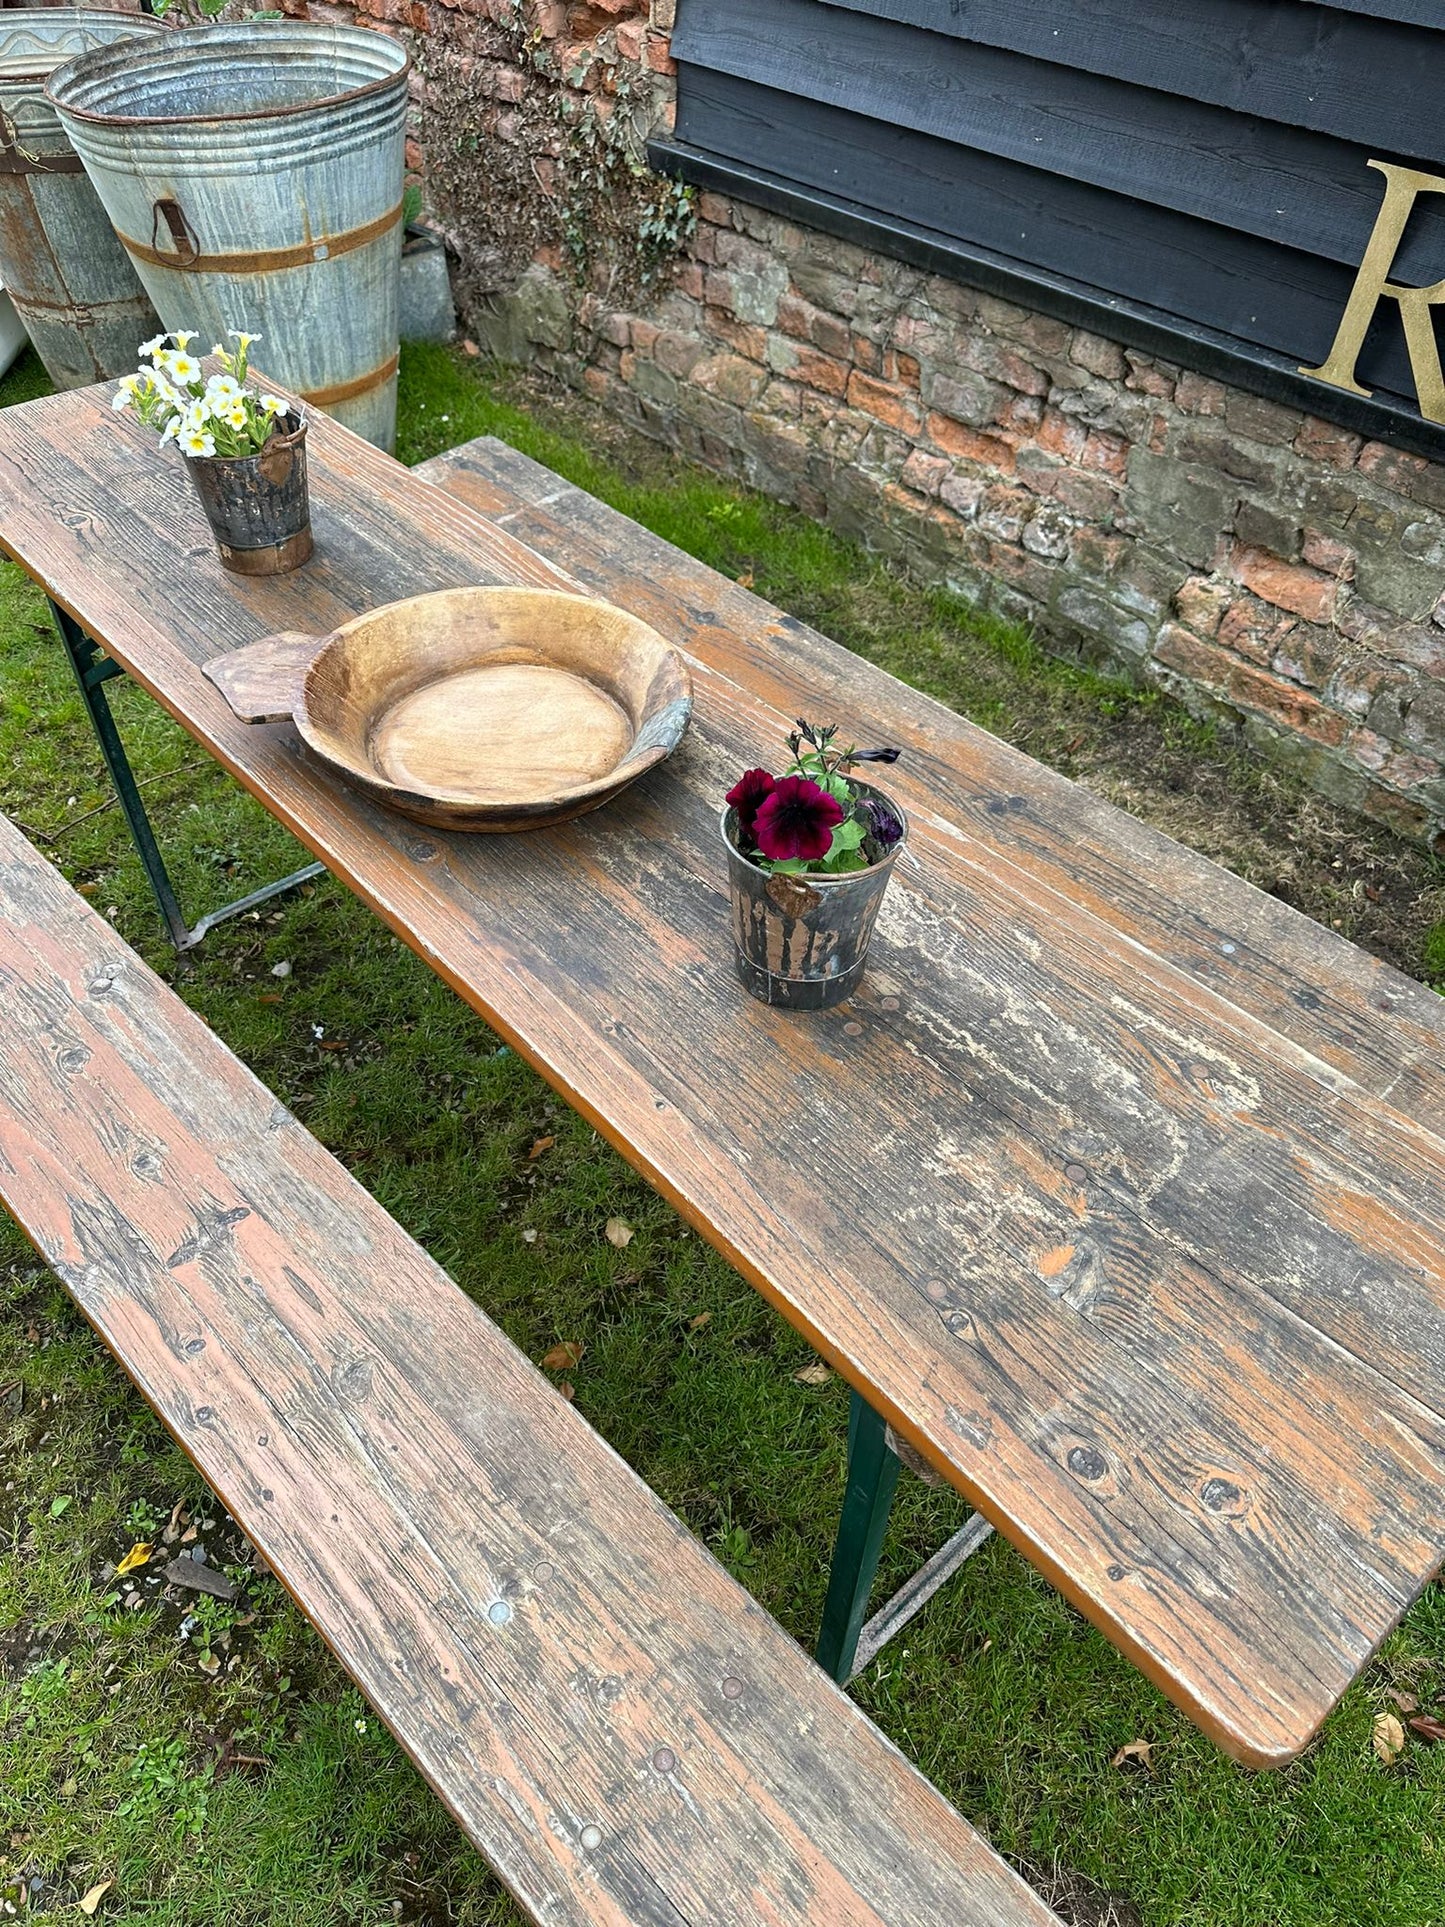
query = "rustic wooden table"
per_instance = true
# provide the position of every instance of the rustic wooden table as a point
(1148, 1257)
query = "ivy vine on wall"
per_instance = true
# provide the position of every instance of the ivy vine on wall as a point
(528, 158)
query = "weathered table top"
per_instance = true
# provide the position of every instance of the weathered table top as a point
(1147, 1251)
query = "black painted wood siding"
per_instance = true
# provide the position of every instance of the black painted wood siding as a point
(1195, 163)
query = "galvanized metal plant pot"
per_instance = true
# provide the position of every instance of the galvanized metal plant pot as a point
(802, 941)
(257, 504)
(254, 174)
(68, 276)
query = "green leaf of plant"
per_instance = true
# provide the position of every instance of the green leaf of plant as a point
(57, 1506)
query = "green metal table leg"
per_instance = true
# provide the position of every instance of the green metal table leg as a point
(92, 671)
(867, 1500)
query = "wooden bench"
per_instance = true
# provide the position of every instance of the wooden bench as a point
(616, 1725)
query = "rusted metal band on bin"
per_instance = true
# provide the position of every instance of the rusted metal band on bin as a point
(358, 385)
(265, 260)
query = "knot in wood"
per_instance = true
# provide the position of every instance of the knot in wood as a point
(1085, 1463)
(73, 1058)
(1224, 1497)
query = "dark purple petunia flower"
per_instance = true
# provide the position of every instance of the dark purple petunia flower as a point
(747, 796)
(797, 820)
(883, 820)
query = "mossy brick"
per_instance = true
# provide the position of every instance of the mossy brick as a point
(1214, 445)
(967, 396)
(1185, 507)
(1123, 633)
(1266, 528)
(1259, 420)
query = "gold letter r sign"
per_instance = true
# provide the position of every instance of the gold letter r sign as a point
(1402, 184)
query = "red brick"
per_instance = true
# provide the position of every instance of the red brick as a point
(1099, 355)
(729, 377)
(644, 335)
(659, 56)
(1282, 703)
(1324, 552)
(687, 279)
(1110, 453)
(1324, 442)
(631, 38)
(1201, 604)
(885, 401)
(1287, 585)
(966, 444)
(714, 208)
(1391, 467)
(1062, 435)
(1197, 395)
(828, 376)
(1399, 814)
(1253, 629)
(1400, 767)
(1147, 377)
(743, 337)
(925, 472)
(1096, 554)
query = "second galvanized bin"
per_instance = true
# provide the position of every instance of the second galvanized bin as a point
(254, 174)
(60, 261)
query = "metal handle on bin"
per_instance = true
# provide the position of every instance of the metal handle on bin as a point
(170, 211)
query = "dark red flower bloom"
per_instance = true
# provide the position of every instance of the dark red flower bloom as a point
(797, 819)
(747, 796)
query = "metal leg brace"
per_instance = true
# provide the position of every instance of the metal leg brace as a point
(846, 1643)
(92, 671)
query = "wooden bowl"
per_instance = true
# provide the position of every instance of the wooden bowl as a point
(475, 709)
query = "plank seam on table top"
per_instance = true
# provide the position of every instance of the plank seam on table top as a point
(627, 1073)
(1024, 889)
(460, 463)
(611, 1056)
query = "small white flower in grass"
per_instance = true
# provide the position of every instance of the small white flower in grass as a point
(195, 441)
(360, 1725)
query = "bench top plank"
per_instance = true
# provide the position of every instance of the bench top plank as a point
(1202, 1386)
(552, 1647)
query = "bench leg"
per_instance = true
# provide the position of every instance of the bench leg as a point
(92, 671)
(867, 1500)
(848, 1643)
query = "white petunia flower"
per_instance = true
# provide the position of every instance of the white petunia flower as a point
(171, 430)
(153, 347)
(125, 394)
(237, 416)
(195, 441)
(184, 337)
(273, 404)
(184, 367)
(239, 335)
(223, 389)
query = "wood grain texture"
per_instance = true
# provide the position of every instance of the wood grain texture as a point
(488, 708)
(613, 1721)
(1157, 1279)
(1366, 79)
(1303, 188)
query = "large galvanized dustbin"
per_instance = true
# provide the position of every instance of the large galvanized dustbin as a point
(68, 276)
(254, 174)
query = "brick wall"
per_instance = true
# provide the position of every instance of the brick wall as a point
(1270, 568)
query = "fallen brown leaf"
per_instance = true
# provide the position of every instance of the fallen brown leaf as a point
(139, 1555)
(619, 1233)
(746, 579)
(172, 1529)
(696, 1324)
(542, 1144)
(334, 1043)
(567, 1389)
(815, 1374)
(1388, 1738)
(564, 1357)
(92, 1899)
(1406, 1702)
(1429, 1728)
(1140, 1750)
(269, 997)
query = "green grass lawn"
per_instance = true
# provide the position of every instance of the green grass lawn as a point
(211, 1761)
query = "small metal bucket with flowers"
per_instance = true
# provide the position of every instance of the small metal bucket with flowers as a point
(245, 452)
(809, 856)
